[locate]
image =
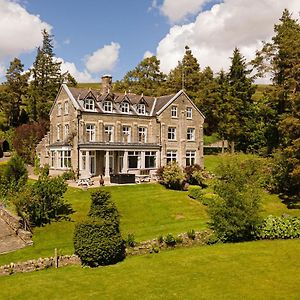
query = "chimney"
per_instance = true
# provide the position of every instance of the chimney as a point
(106, 84)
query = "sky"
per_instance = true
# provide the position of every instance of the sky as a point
(96, 37)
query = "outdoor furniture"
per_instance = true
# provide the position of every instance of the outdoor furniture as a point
(85, 179)
(122, 178)
(142, 178)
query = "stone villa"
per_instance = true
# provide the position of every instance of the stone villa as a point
(99, 132)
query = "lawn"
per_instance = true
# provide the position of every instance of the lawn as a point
(147, 211)
(254, 270)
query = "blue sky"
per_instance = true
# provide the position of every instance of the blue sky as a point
(81, 27)
(93, 37)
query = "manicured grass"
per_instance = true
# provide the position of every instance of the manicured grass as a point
(147, 211)
(255, 270)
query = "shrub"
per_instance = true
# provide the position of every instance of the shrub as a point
(191, 234)
(42, 202)
(98, 243)
(160, 239)
(235, 212)
(279, 228)
(103, 207)
(13, 176)
(69, 175)
(207, 199)
(170, 240)
(130, 241)
(195, 192)
(159, 173)
(173, 177)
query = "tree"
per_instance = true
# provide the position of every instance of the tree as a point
(27, 137)
(43, 201)
(14, 93)
(208, 100)
(185, 76)
(145, 78)
(46, 80)
(281, 57)
(237, 107)
(97, 240)
(235, 213)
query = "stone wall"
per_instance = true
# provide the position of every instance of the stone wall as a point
(16, 224)
(182, 240)
(151, 246)
(39, 264)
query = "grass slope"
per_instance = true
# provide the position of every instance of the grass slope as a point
(255, 270)
(147, 210)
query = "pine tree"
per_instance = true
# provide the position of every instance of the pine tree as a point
(47, 79)
(281, 57)
(186, 75)
(14, 92)
(145, 78)
(239, 101)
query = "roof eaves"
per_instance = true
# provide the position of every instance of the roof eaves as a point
(75, 103)
(170, 101)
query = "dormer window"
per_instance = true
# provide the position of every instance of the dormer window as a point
(124, 107)
(89, 104)
(141, 109)
(107, 106)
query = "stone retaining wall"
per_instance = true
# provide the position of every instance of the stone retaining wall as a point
(154, 246)
(39, 264)
(15, 223)
(151, 246)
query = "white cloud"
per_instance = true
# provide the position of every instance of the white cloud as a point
(148, 54)
(67, 41)
(20, 31)
(103, 59)
(80, 76)
(177, 10)
(216, 32)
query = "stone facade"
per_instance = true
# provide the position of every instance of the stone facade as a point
(96, 132)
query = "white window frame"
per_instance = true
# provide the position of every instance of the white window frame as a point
(66, 107)
(174, 111)
(172, 133)
(141, 109)
(190, 134)
(136, 154)
(83, 160)
(109, 132)
(126, 133)
(124, 107)
(90, 130)
(107, 106)
(66, 130)
(59, 109)
(64, 159)
(148, 156)
(171, 156)
(89, 104)
(142, 130)
(58, 132)
(52, 158)
(189, 113)
(190, 157)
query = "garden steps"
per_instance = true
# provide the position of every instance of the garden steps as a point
(9, 240)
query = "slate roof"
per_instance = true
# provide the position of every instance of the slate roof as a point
(153, 104)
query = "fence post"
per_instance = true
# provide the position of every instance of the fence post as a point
(55, 258)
